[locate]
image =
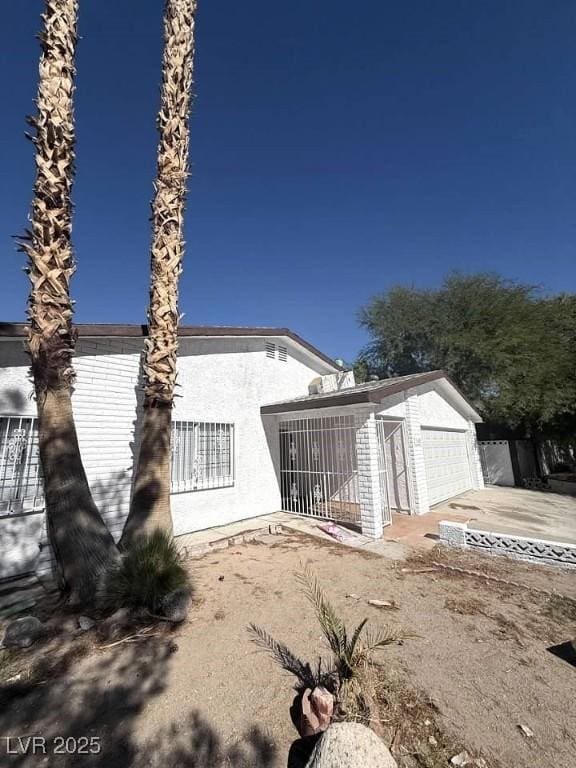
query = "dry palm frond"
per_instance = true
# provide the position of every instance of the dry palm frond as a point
(308, 677)
(167, 249)
(47, 242)
(375, 639)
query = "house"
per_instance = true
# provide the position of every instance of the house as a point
(263, 422)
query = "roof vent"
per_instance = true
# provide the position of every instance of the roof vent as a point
(282, 354)
(270, 349)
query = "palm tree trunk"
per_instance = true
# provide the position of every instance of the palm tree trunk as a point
(82, 545)
(150, 504)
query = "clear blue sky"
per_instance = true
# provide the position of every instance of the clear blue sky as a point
(338, 148)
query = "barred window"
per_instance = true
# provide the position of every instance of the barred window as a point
(202, 455)
(20, 473)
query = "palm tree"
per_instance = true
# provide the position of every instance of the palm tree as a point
(82, 545)
(150, 505)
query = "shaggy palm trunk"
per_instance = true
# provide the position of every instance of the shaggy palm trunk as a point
(82, 545)
(150, 505)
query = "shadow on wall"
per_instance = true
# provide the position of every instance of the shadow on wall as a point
(13, 401)
(102, 697)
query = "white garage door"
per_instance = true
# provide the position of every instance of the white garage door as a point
(447, 464)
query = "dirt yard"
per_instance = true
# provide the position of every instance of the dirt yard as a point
(204, 695)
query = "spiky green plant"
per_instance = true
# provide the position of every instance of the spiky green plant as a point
(308, 676)
(149, 570)
(351, 651)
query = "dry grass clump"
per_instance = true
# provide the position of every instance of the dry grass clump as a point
(410, 724)
(469, 606)
(561, 609)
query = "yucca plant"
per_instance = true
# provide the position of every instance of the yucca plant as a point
(149, 570)
(352, 651)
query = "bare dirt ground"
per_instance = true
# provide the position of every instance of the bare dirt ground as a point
(204, 695)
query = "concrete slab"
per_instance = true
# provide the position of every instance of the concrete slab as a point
(515, 511)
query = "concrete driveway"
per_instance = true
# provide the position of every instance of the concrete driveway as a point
(536, 514)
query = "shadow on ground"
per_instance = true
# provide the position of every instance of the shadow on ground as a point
(102, 696)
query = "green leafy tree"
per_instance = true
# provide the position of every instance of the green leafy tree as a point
(508, 348)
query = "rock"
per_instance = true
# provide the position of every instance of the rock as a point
(85, 623)
(432, 741)
(317, 709)
(350, 745)
(22, 632)
(114, 625)
(383, 604)
(175, 605)
(461, 759)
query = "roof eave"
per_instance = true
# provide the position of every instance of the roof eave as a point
(96, 330)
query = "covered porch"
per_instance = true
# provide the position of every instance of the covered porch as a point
(360, 454)
(344, 464)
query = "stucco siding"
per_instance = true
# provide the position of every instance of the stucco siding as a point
(229, 385)
(436, 411)
(223, 380)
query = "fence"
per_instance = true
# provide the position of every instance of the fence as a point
(319, 468)
(20, 475)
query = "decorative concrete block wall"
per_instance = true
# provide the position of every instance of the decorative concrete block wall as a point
(370, 492)
(518, 547)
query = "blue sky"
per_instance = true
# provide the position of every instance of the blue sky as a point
(338, 148)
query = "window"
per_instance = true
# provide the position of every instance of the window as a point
(202, 455)
(20, 475)
(270, 349)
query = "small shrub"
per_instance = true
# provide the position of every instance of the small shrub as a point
(148, 571)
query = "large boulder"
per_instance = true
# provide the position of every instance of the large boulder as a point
(350, 745)
(22, 632)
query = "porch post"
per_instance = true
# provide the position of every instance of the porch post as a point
(371, 500)
(420, 503)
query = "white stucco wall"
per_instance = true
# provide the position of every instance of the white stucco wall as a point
(430, 405)
(436, 411)
(220, 379)
(228, 381)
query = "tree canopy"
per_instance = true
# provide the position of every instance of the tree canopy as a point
(509, 348)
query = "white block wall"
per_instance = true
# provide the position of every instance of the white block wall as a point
(419, 483)
(371, 498)
(474, 453)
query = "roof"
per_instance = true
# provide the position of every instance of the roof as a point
(371, 392)
(17, 330)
